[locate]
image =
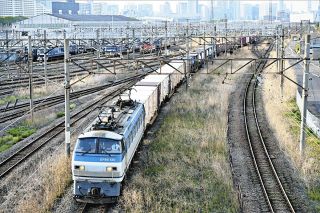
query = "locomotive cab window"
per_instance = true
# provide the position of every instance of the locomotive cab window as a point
(86, 145)
(109, 146)
(98, 146)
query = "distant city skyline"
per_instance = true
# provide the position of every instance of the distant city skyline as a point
(295, 5)
(173, 9)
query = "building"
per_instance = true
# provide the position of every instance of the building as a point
(271, 11)
(317, 14)
(165, 9)
(229, 9)
(145, 10)
(130, 10)
(297, 17)
(193, 8)
(110, 9)
(204, 12)
(181, 9)
(26, 8)
(84, 9)
(255, 12)
(69, 7)
(68, 22)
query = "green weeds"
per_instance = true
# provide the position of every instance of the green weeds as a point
(14, 135)
(185, 168)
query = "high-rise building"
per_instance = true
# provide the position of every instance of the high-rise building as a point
(110, 9)
(69, 7)
(130, 10)
(309, 5)
(233, 9)
(204, 12)
(22, 8)
(165, 9)
(84, 9)
(145, 9)
(193, 8)
(182, 9)
(281, 5)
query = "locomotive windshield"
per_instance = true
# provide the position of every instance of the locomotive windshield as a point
(98, 146)
(87, 145)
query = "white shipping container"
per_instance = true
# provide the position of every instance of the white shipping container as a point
(149, 97)
(157, 80)
(175, 76)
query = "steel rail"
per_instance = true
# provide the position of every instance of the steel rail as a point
(250, 143)
(22, 154)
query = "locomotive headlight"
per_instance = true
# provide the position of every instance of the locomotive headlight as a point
(109, 169)
(81, 168)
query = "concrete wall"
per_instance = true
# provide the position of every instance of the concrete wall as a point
(312, 121)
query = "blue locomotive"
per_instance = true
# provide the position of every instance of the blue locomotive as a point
(103, 153)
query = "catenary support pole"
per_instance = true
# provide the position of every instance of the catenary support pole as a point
(277, 48)
(67, 96)
(305, 95)
(7, 52)
(185, 74)
(188, 50)
(301, 41)
(282, 63)
(45, 59)
(30, 71)
(166, 39)
(98, 48)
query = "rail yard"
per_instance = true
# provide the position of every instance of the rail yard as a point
(160, 117)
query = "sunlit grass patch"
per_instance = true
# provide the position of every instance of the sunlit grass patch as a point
(185, 168)
(14, 135)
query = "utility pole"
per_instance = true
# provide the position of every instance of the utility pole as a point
(185, 73)
(215, 41)
(166, 28)
(225, 26)
(301, 42)
(7, 51)
(305, 95)
(128, 49)
(30, 71)
(134, 47)
(99, 47)
(45, 59)
(204, 49)
(188, 49)
(67, 95)
(282, 62)
(277, 48)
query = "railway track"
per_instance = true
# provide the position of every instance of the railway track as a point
(56, 73)
(19, 110)
(91, 208)
(276, 198)
(57, 130)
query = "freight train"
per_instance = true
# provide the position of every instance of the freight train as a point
(104, 151)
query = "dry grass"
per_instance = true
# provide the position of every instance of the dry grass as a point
(284, 117)
(51, 184)
(186, 168)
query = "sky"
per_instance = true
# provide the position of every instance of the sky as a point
(296, 5)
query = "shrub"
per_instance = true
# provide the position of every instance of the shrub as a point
(60, 114)
(14, 135)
